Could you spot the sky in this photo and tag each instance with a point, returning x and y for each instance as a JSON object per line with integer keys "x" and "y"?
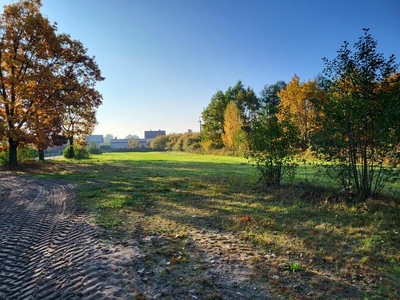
{"x": 163, "y": 60}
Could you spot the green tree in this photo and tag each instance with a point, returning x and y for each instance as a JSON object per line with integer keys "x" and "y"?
{"x": 359, "y": 124}
{"x": 213, "y": 116}
{"x": 213, "y": 122}
{"x": 269, "y": 95}
{"x": 189, "y": 142}
{"x": 245, "y": 99}
{"x": 173, "y": 142}
{"x": 273, "y": 143}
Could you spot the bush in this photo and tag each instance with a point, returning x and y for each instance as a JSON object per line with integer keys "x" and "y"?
{"x": 66, "y": 153}
{"x": 3, "y": 158}
{"x": 172, "y": 140}
{"x": 159, "y": 143}
{"x": 25, "y": 153}
{"x": 82, "y": 153}
{"x": 191, "y": 143}
{"x": 93, "y": 148}
{"x": 78, "y": 153}
{"x": 273, "y": 145}
{"x": 105, "y": 148}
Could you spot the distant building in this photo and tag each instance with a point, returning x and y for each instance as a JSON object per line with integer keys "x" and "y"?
{"x": 124, "y": 143}
{"x": 95, "y": 138}
{"x": 143, "y": 143}
{"x": 119, "y": 143}
{"x": 152, "y": 134}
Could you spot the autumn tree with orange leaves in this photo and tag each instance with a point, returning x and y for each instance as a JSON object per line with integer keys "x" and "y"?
{"x": 43, "y": 77}
{"x": 298, "y": 100}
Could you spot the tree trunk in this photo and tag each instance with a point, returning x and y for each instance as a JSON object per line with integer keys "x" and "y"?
{"x": 12, "y": 161}
{"x": 71, "y": 152}
{"x": 41, "y": 154}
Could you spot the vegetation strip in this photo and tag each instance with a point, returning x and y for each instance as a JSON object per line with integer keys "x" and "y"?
{"x": 194, "y": 212}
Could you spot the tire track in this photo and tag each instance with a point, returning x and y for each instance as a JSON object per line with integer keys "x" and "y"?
{"x": 48, "y": 248}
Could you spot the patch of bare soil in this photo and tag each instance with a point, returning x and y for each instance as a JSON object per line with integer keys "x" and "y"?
{"x": 49, "y": 249}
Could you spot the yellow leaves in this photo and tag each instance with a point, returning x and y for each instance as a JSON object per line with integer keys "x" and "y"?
{"x": 45, "y": 92}
{"x": 232, "y": 127}
{"x": 297, "y": 99}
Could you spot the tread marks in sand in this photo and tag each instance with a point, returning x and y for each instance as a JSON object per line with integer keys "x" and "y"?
{"x": 48, "y": 249}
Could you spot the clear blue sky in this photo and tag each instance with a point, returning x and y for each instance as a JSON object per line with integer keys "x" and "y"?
{"x": 164, "y": 59}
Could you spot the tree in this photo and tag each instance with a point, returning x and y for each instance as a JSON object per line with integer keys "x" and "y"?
{"x": 299, "y": 99}
{"x": 359, "y": 125}
{"x": 213, "y": 116}
{"x": 77, "y": 124}
{"x": 107, "y": 139}
{"x": 273, "y": 143}
{"x": 133, "y": 143}
{"x": 245, "y": 99}
{"x": 233, "y": 137}
{"x": 26, "y": 42}
{"x": 130, "y": 136}
{"x": 213, "y": 122}
{"x": 47, "y": 135}
{"x": 43, "y": 76}
{"x": 77, "y": 98}
{"x": 269, "y": 95}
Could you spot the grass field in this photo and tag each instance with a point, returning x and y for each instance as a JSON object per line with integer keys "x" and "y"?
{"x": 314, "y": 244}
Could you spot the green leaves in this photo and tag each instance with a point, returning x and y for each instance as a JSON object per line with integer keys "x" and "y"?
{"x": 273, "y": 144}
{"x": 360, "y": 122}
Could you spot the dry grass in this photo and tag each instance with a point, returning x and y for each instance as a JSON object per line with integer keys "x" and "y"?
{"x": 305, "y": 242}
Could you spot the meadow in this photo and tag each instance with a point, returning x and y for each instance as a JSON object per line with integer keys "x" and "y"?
{"x": 309, "y": 240}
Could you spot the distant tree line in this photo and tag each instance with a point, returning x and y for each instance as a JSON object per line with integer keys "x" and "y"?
{"x": 188, "y": 142}
{"x": 348, "y": 117}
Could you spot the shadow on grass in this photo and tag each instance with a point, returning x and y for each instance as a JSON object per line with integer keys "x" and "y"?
{"x": 347, "y": 250}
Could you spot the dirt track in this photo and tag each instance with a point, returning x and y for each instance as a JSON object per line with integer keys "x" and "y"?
{"x": 49, "y": 249}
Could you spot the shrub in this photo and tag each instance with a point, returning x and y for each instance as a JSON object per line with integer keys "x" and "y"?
{"x": 25, "y": 153}
{"x": 3, "y": 158}
{"x": 82, "y": 153}
{"x": 66, "y": 153}
{"x": 191, "y": 142}
{"x": 273, "y": 145}
{"x": 105, "y": 148}
{"x": 172, "y": 140}
{"x": 93, "y": 148}
{"x": 159, "y": 143}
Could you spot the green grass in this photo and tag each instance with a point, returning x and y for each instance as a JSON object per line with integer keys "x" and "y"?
{"x": 346, "y": 249}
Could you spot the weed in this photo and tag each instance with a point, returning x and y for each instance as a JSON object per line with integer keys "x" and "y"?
{"x": 351, "y": 248}
{"x": 294, "y": 267}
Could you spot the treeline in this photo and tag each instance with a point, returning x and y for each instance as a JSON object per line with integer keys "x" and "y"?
{"x": 349, "y": 117}
{"x": 188, "y": 142}
{"x": 47, "y": 83}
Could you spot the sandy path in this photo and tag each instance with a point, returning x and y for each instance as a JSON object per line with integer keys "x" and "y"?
{"x": 49, "y": 249}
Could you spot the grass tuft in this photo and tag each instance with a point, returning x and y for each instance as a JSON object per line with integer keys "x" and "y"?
{"x": 344, "y": 249}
